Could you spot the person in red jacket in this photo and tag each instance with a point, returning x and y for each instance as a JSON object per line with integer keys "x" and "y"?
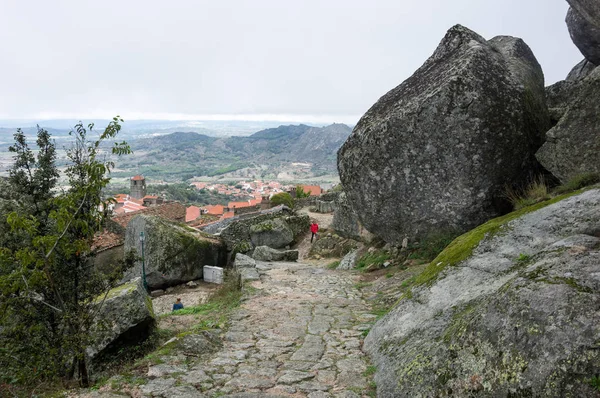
{"x": 314, "y": 228}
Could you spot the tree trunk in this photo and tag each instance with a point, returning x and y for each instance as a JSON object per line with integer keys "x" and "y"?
{"x": 83, "y": 372}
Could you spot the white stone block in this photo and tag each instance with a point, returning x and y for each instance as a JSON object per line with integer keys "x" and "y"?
{"x": 213, "y": 274}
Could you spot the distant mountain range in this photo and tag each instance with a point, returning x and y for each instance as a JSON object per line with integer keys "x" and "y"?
{"x": 186, "y": 154}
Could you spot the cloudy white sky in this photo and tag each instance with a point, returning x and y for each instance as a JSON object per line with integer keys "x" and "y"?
{"x": 328, "y": 60}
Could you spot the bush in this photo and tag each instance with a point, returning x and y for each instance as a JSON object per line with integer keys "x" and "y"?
{"x": 283, "y": 198}
{"x": 300, "y": 192}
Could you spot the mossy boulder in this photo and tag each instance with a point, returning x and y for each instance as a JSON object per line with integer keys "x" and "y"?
{"x": 332, "y": 245}
{"x": 173, "y": 253}
{"x": 509, "y": 309}
{"x": 273, "y": 233}
{"x": 126, "y": 316}
{"x": 239, "y": 235}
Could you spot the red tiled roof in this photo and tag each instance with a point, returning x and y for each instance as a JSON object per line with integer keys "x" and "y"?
{"x": 314, "y": 190}
{"x": 192, "y": 213}
{"x": 229, "y": 214}
{"x": 216, "y": 210}
{"x": 150, "y": 197}
{"x": 171, "y": 211}
{"x": 137, "y": 178}
{"x": 238, "y": 205}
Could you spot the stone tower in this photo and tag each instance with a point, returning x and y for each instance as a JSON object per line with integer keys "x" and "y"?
{"x": 137, "y": 187}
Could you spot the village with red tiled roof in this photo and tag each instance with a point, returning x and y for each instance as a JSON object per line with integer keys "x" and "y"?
{"x": 252, "y": 196}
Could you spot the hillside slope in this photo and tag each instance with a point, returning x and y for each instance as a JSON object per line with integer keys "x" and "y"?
{"x": 181, "y": 153}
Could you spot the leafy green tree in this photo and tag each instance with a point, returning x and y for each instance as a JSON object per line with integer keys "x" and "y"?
{"x": 50, "y": 291}
{"x": 283, "y": 198}
{"x": 300, "y": 192}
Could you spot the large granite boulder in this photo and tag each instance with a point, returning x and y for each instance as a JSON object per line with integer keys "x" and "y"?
{"x": 572, "y": 147}
{"x": 173, "y": 253}
{"x": 266, "y": 253}
{"x": 345, "y": 221}
{"x": 583, "y": 21}
{"x": 125, "y": 316}
{"x": 238, "y": 235}
{"x": 274, "y": 233}
{"x": 434, "y": 154}
{"x": 581, "y": 71}
{"x": 510, "y": 309}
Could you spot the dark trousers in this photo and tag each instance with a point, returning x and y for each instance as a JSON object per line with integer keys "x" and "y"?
{"x": 314, "y": 234}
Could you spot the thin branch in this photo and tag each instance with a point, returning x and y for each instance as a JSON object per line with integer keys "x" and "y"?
{"x": 67, "y": 227}
{"x": 38, "y": 299}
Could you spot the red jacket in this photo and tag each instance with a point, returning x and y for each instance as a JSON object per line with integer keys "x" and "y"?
{"x": 314, "y": 228}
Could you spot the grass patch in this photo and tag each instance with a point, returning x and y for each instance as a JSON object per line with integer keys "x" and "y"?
{"x": 595, "y": 382}
{"x": 430, "y": 248}
{"x": 333, "y": 265}
{"x": 536, "y": 191}
{"x": 362, "y": 285}
{"x": 377, "y": 258}
{"x": 523, "y": 259}
{"x": 578, "y": 182}
{"x": 371, "y": 369}
{"x": 462, "y": 247}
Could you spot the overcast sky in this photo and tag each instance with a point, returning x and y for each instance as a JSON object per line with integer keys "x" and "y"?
{"x": 327, "y": 60}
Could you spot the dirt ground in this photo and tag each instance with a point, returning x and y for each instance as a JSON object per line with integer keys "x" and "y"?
{"x": 189, "y": 296}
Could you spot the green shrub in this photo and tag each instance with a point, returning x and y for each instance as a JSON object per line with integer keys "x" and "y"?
{"x": 300, "y": 192}
{"x": 283, "y": 198}
{"x": 333, "y": 265}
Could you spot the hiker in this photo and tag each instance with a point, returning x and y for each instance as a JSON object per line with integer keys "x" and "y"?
{"x": 178, "y": 305}
{"x": 314, "y": 228}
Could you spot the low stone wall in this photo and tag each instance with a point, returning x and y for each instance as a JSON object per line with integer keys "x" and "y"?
{"x": 305, "y": 202}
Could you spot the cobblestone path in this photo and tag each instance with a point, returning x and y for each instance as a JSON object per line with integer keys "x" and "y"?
{"x": 299, "y": 335}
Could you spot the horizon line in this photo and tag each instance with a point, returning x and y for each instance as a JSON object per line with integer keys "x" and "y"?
{"x": 176, "y": 117}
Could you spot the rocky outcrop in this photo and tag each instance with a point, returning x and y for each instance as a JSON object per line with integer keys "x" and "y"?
{"x": 349, "y": 261}
{"x": 581, "y": 70}
{"x": 332, "y": 245}
{"x": 583, "y": 21}
{"x": 572, "y": 147}
{"x": 559, "y": 96}
{"x": 243, "y": 261}
{"x": 508, "y": 309}
{"x": 345, "y": 221}
{"x": 125, "y": 316}
{"x": 273, "y": 233}
{"x": 173, "y": 253}
{"x": 265, "y": 253}
{"x": 246, "y": 266}
{"x": 324, "y": 206}
{"x": 435, "y": 153}
{"x": 238, "y": 236}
